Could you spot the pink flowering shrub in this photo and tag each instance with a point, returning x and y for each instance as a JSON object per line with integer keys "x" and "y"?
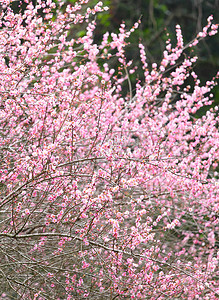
{"x": 103, "y": 196}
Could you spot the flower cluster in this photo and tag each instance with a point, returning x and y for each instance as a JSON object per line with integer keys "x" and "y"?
{"x": 103, "y": 196}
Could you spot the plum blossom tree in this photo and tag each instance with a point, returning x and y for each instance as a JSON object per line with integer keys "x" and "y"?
{"x": 103, "y": 196}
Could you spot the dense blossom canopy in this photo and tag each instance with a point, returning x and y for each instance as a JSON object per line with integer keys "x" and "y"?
{"x": 103, "y": 196}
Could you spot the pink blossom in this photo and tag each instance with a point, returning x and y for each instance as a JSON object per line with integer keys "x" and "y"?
{"x": 104, "y": 192}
